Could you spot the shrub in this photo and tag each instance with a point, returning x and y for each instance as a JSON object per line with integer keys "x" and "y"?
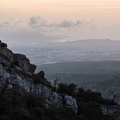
{"x": 33, "y": 100}
{"x": 62, "y": 88}
{"x": 39, "y": 113}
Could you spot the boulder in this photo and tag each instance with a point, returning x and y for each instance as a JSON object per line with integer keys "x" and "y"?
{"x": 18, "y": 59}
{"x": 32, "y": 68}
{"x": 3, "y": 45}
{"x": 24, "y": 63}
{"x": 71, "y": 102}
{"x": 7, "y": 54}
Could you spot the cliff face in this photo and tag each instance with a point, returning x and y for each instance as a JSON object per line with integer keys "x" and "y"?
{"x": 22, "y": 62}
{"x": 11, "y": 66}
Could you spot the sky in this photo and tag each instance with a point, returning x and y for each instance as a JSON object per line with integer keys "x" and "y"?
{"x": 72, "y": 19}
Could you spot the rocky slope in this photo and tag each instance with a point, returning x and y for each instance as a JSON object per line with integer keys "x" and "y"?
{"x": 15, "y": 70}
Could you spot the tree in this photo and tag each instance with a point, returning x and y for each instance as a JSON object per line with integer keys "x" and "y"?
{"x": 113, "y": 94}
{"x": 62, "y": 88}
{"x": 56, "y": 82}
{"x": 71, "y": 89}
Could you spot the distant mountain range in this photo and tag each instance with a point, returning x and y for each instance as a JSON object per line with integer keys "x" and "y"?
{"x": 24, "y": 38}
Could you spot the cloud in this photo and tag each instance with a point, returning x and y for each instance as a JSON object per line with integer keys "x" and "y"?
{"x": 119, "y": 25}
{"x": 37, "y": 21}
{"x": 116, "y": 25}
{"x": 5, "y": 24}
{"x": 35, "y": 24}
{"x": 66, "y": 24}
{"x": 34, "y": 20}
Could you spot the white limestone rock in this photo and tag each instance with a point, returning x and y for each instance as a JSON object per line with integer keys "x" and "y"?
{"x": 71, "y": 102}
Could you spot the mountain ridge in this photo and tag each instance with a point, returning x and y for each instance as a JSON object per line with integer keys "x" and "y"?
{"x": 16, "y": 71}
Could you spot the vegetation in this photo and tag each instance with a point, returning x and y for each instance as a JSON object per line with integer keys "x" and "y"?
{"x": 93, "y": 75}
{"x": 17, "y": 105}
{"x": 39, "y": 78}
{"x": 29, "y": 107}
{"x": 89, "y": 103}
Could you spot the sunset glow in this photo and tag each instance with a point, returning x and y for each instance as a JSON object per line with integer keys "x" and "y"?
{"x": 104, "y": 14}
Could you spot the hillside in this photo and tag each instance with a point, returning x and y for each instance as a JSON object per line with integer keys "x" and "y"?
{"x": 25, "y": 95}
{"x": 96, "y": 75}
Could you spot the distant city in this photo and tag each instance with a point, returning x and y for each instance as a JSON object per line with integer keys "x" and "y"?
{"x": 82, "y": 50}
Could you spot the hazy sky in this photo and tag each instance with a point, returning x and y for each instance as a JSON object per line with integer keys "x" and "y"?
{"x": 78, "y": 19}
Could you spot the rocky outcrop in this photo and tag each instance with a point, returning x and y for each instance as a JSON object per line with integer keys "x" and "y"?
{"x": 3, "y": 45}
{"x": 71, "y": 102}
{"x": 23, "y": 63}
{"x": 51, "y": 98}
{"x": 11, "y": 76}
{"x": 7, "y": 54}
